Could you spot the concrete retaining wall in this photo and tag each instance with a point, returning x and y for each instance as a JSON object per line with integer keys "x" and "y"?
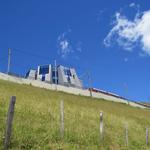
{"x": 71, "y": 90}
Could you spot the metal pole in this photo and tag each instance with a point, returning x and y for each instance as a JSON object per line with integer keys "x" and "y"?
{"x": 9, "y": 59}
{"x": 90, "y": 83}
{"x": 55, "y": 75}
{"x": 126, "y": 91}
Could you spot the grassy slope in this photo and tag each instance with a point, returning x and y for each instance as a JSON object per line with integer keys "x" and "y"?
{"x": 36, "y": 121}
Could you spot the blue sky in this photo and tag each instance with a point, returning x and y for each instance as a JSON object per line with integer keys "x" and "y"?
{"x": 110, "y": 39}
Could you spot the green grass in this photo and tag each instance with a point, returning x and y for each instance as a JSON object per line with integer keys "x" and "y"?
{"x": 36, "y": 123}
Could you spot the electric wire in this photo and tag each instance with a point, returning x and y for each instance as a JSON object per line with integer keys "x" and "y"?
{"x": 30, "y": 54}
{"x": 33, "y": 56}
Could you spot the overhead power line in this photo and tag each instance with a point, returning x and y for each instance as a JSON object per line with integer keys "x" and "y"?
{"x": 30, "y": 54}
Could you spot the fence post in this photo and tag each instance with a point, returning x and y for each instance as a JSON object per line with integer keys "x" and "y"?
{"x": 147, "y": 134}
{"x": 126, "y": 134}
{"x": 61, "y": 119}
{"x": 101, "y": 126}
{"x": 9, "y": 122}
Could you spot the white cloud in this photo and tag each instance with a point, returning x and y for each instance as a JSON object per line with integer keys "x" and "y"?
{"x": 132, "y": 5}
{"x": 66, "y": 47}
{"x": 128, "y": 33}
{"x": 64, "y": 44}
{"x": 135, "y": 6}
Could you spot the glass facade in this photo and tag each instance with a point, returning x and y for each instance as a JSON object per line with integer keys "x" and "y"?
{"x": 27, "y": 74}
{"x": 67, "y": 72}
{"x": 55, "y": 75}
{"x": 43, "y": 78}
{"x": 44, "y": 69}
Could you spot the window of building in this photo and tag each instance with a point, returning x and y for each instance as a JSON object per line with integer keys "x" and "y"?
{"x": 27, "y": 74}
{"x": 44, "y": 69}
{"x": 68, "y": 79}
{"x": 43, "y": 78}
{"x": 73, "y": 76}
{"x": 54, "y": 75}
{"x": 55, "y": 81}
{"x": 67, "y": 72}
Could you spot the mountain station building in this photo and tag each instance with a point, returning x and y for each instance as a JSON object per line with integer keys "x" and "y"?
{"x": 55, "y": 75}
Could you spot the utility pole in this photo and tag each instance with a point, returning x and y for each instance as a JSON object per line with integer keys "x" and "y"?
{"x": 90, "y": 83}
{"x": 9, "y": 59}
{"x": 126, "y": 91}
{"x": 55, "y": 74}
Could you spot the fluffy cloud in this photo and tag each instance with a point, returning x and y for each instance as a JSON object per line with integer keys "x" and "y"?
{"x": 65, "y": 46}
{"x": 128, "y": 33}
{"x": 132, "y": 5}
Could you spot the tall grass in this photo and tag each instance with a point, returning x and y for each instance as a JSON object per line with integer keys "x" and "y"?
{"x": 37, "y": 121}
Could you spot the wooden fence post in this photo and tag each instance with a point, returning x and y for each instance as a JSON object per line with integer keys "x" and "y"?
{"x": 147, "y": 135}
{"x": 9, "y": 122}
{"x": 62, "y": 119}
{"x": 101, "y": 126}
{"x": 126, "y": 134}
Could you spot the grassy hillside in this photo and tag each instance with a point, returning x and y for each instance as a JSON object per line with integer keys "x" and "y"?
{"x": 36, "y": 123}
